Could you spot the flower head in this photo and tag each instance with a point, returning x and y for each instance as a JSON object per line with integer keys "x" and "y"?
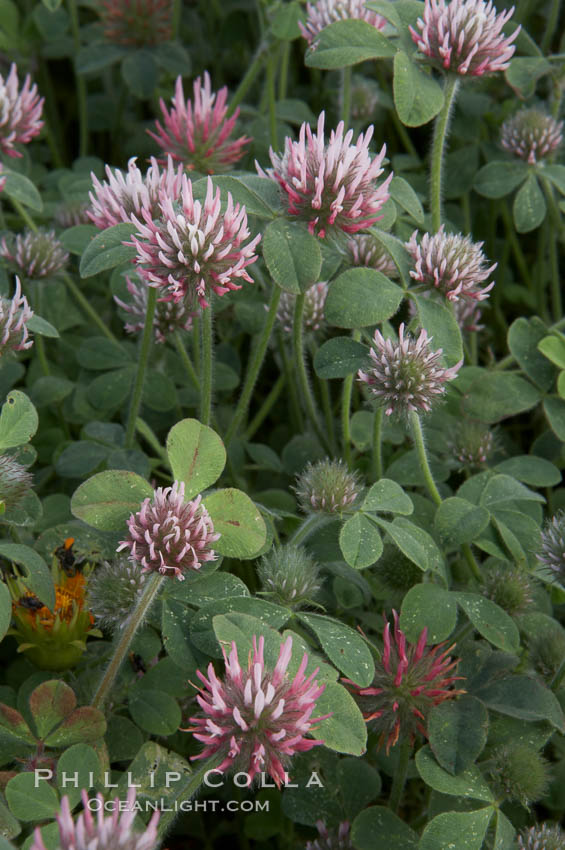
{"x": 331, "y": 839}
{"x": 450, "y": 263}
{"x": 196, "y": 248}
{"x": 333, "y": 185}
{"x": 105, "y": 833}
{"x": 552, "y": 551}
{"x": 410, "y": 680}
{"x": 15, "y": 481}
{"x": 327, "y": 486}
{"x": 544, "y": 837}
{"x": 113, "y": 591}
{"x": 123, "y": 196}
{"x": 198, "y": 133}
{"x": 170, "y": 536}
{"x": 169, "y": 315}
{"x": 509, "y": 586}
{"x": 15, "y": 313}
{"x": 137, "y": 22}
{"x": 471, "y": 444}
{"x": 35, "y": 254}
{"x": 406, "y": 375}
{"x": 289, "y": 576}
{"x": 465, "y": 36}
{"x": 519, "y": 772}
{"x": 531, "y": 134}
{"x": 313, "y": 316}
{"x": 325, "y": 12}
{"x": 70, "y": 213}
{"x": 364, "y": 250}
{"x": 256, "y": 719}
{"x": 20, "y": 112}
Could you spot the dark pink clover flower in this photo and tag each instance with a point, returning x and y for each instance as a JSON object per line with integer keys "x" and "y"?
{"x": 123, "y": 196}
{"x": 169, "y": 315}
{"x": 195, "y": 248}
{"x": 331, "y": 839}
{"x": 170, "y": 536}
{"x": 35, "y": 253}
{"x": 451, "y": 264}
{"x": 20, "y": 112}
{"x": 101, "y": 833}
{"x": 410, "y": 680}
{"x": 326, "y": 12}
{"x": 465, "y": 36}
{"x": 333, "y": 185}
{"x": 256, "y": 719}
{"x": 15, "y": 313}
{"x": 198, "y": 133}
{"x": 531, "y": 135}
{"x": 406, "y": 376}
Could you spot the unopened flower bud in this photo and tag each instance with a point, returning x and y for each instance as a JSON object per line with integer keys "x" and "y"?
{"x": 15, "y": 481}
{"x": 519, "y": 772}
{"x": 327, "y": 486}
{"x": 113, "y": 591}
{"x": 289, "y": 576}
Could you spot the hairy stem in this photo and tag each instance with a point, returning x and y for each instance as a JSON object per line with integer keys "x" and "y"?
{"x": 186, "y": 361}
{"x": 400, "y": 774}
{"x": 145, "y": 347}
{"x": 265, "y": 408}
{"x": 441, "y": 127}
{"x": 378, "y": 443}
{"x": 86, "y": 307}
{"x": 207, "y": 366}
{"x": 345, "y": 410}
{"x": 300, "y": 366}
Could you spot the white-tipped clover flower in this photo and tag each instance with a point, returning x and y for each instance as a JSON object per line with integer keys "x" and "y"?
{"x": 531, "y": 135}
{"x": 123, "y": 196}
{"x": 194, "y": 247}
{"x": 465, "y": 36}
{"x": 35, "y": 253}
{"x": 313, "y": 316}
{"x": 451, "y": 264}
{"x": 169, "y": 316}
{"x": 20, "y": 112}
{"x": 330, "y": 185}
{"x": 406, "y": 376}
{"x": 15, "y": 313}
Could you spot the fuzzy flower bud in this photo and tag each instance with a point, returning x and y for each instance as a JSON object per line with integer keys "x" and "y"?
{"x": 465, "y": 36}
{"x": 195, "y": 249}
{"x": 71, "y": 213}
{"x": 331, "y": 839}
{"x": 365, "y": 95}
{"x": 547, "y": 651}
{"x": 105, "y": 833}
{"x": 544, "y": 837}
{"x": 313, "y": 316}
{"x": 531, "y": 134}
{"x": 470, "y": 444}
{"x": 409, "y": 681}
{"x": 170, "y": 536}
{"x": 137, "y": 22}
{"x": 406, "y": 375}
{"x": 552, "y": 551}
{"x": 20, "y": 112}
{"x": 333, "y": 185}
{"x": 35, "y": 254}
{"x": 15, "y": 481}
{"x": 256, "y": 719}
{"x": 124, "y": 196}
{"x": 364, "y": 250}
{"x": 450, "y": 263}
{"x": 289, "y": 576}
{"x": 15, "y": 313}
{"x": 113, "y": 592}
{"x": 519, "y": 772}
{"x": 325, "y": 12}
{"x": 327, "y": 486}
{"x": 197, "y": 133}
{"x": 510, "y": 587}
{"x": 169, "y": 315}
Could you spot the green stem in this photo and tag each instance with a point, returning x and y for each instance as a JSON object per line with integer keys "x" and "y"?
{"x": 80, "y": 82}
{"x": 308, "y": 527}
{"x": 441, "y": 127}
{"x": 86, "y": 307}
{"x": 555, "y": 227}
{"x": 300, "y": 366}
{"x": 207, "y": 373}
{"x": 345, "y": 410}
{"x": 283, "y": 73}
{"x": 185, "y": 791}
{"x": 552, "y": 20}
{"x": 176, "y": 18}
{"x": 400, "y": 774}
{"x": 295, "y": 409}
{"x": 327, "y": 408}
{"x": 254, "y": 366}
{"x": 265, "y": 408}
{"x": 133, "y": 622}
{"x": 150, "y": 437}
{"x": 346, "y": 96}
{"x": 378, "y": 443}
{"x": 418, "y": 435}
{"x": 272, "y": 97}
{"x": 186, "y": 361}
{"x": 247, "y": 81}
{"x": 23, "y": 213}
{"x": 515, "y": 245}
{"x": 146, "y": 340}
